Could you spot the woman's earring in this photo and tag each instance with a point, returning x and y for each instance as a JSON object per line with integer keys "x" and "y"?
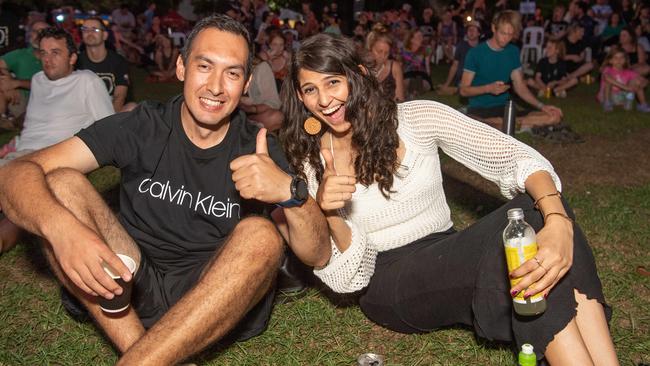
{"x": 312, "y": 126}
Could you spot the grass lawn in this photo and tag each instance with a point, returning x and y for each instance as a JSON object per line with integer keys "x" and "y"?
{"x": 604, "y": 180}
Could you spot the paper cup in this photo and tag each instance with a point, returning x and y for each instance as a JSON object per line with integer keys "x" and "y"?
{"x": 119, "y": 302}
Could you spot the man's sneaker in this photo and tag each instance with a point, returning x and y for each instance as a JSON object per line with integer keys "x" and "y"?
{"x": 291, "y": 275}
{"x": 645, "y": 108}
{"x": 608, "y": 106}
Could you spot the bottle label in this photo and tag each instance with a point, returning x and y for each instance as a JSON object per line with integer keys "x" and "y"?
{"x": 518, "y": 252}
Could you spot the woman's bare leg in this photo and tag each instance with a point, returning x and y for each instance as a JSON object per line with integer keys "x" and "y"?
{"x": 592, "y": 324}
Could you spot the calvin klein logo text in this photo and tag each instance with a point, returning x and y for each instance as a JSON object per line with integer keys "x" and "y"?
{"x": 199, "y": 202}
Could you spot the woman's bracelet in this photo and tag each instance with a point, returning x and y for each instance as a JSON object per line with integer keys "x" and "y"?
{"x": 559, "y": 214}
{"x": 536, "y": 204}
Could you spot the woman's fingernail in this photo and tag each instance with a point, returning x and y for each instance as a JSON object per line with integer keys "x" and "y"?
{"x": 513, "y": 293}
{"x": 545, "y": 296}
{"x": 511, "y": 275}
{"x": 526, "y": 295}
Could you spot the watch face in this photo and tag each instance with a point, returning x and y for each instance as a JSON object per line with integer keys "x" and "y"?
{"x": 301, "y": 192}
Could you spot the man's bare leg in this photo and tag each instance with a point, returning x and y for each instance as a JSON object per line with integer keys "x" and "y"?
{"x": 496, "y": 122}
{"x": 534, "y": 119}
{"x": 9, "y": 234}
{"x": 232, "y": 284}
{"x": 582, "y": 70}
{"x": 75, "y": 192}
{"x": 569, "y": 83}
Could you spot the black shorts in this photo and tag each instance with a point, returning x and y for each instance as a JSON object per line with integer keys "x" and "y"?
{"x": 156, "y": 291}
{"x": 493, "y": 112}
{"x": 573, "y": 66}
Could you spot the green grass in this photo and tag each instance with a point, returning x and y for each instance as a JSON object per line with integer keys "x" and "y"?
{"x": 314, "y": 329}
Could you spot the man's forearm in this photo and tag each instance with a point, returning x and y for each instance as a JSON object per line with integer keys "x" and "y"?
{"x": 118, "y": 103}
{"x": 308, "y": 233}
{"x": 472, "y": 91}
{"x": 525, "y": 94}
{"x": 452, "y": 72}
{"x": 119, "y": 97}
{"x": 23, "y": 84}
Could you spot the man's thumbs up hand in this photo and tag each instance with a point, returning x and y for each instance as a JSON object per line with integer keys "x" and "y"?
{"x": 261, "y": 147}
{"x": 256, "y": 176}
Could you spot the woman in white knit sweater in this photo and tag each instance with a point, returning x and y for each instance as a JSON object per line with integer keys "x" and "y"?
{"x": 374, "y": 169}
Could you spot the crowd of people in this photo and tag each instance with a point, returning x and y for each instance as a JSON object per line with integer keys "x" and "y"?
{"x": 579, "y": 42}
{"x": 350, "y": 182}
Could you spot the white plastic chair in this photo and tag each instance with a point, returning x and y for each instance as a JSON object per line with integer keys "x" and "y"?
{"x": 178, "y": 38}
{"x": 532, "y": 42}
{"x": 588, "y": 54}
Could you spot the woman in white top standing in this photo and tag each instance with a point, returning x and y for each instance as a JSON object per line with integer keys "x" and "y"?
{"x": 374, "y": 169}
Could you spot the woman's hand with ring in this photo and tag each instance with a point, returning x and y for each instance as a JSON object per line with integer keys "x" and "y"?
{"x": 552, "y": 261}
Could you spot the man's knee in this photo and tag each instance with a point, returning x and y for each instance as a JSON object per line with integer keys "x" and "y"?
{"x": 63, "y": 176}
{"x": 64, "y": 180}
{"x": 262, "y": 234}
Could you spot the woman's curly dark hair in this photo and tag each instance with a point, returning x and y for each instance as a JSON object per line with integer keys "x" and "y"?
{"x": 373, "y": 117}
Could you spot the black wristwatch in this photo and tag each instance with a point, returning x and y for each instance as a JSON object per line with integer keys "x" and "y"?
{"x": 299, "y": 193}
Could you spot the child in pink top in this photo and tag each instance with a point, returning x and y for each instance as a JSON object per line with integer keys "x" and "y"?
{"x": 619, "y": 83}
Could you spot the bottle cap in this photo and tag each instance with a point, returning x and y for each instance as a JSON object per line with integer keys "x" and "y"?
{"x": 515, "y": 214}
{"x": 527, "y": 348}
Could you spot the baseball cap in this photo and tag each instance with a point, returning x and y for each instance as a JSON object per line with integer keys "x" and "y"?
{"x": 473, "y": 23}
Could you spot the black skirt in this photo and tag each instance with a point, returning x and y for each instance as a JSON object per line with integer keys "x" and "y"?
{"x": 453, "y": 278}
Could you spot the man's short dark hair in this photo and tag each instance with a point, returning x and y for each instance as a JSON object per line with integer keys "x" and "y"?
{"x": 223, "y": 23}
{"x": 98, "y": 20}
{"x": 58, "y": 33}
{"x": 583, "y": 6}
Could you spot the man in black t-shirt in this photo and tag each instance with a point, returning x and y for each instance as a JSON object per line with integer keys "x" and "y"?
{"x": 550, "y": 73}
{"x": 575, "y": 56}
{"x": 107, "y": 64}
{"x": 197, "y": 185}
{"x": 10, "y": 32}
{"x": 556, "y": 27}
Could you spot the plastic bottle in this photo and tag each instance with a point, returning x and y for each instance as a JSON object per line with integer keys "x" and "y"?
{"x": 520, "y": 245}
{"x": 509, "y": 118}
{"x": 526, "y": 356}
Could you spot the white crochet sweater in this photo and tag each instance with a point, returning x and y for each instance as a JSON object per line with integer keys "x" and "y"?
{"x": 418, "y": 206}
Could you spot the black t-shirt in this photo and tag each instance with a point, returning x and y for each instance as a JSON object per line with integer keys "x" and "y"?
{"x": 459, "y": 55}
{"x": 177, "y": 201}
{"x": 10, "y": 32}
{"x": 589, "y": 24}
{"x": 551, "y": 72}
{"x": 428, "y": 28}
{"x": 554, "y": 28}
{"x": 113, "y": 70}
{"x": 573, "y": 49}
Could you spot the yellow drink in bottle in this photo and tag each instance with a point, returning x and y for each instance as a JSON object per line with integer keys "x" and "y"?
{"x": 520, "y": 245}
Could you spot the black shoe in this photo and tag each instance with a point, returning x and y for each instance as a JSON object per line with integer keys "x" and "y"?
{"x": 291, "y": 275}
{"x": 73, "y": 306}
{"x": 560, "y": 133}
